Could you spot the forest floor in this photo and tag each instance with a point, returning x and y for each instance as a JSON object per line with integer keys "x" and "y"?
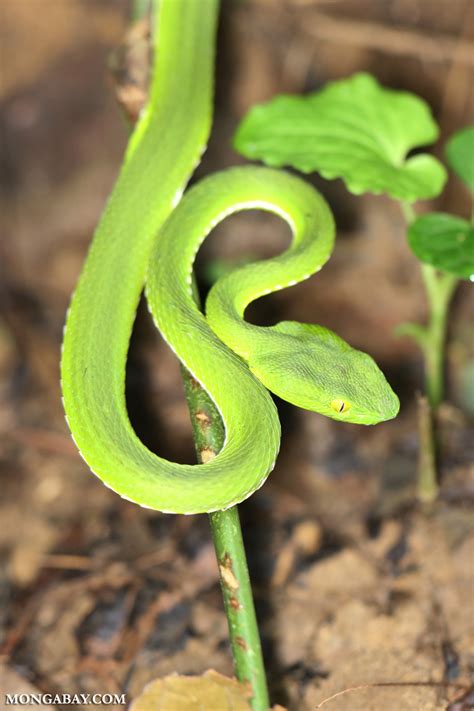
{"x": 355, "y": 583}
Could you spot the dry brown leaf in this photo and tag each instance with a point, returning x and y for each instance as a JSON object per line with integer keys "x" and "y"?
{"x": 209, "y": 692}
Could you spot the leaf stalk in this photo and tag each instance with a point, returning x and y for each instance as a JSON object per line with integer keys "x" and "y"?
{"x": 209, "y": 435}
{"x": 431, "y": 339}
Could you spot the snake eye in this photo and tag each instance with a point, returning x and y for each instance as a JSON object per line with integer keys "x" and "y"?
{"x": 340, "y": 406}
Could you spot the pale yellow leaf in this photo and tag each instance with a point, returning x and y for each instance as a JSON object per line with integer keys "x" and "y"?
{"x": 209, "y": 692}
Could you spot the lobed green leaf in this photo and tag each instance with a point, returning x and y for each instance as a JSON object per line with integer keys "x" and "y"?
{"x": 444, "y": 241}
{"x": 460, "y": 155}
{"x": 352, "y": 129}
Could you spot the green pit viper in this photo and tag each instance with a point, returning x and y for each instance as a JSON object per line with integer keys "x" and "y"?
{"x": 149, "y": 236}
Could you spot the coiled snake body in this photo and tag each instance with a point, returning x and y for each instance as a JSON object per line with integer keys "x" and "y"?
{"x": 148, "y": 235}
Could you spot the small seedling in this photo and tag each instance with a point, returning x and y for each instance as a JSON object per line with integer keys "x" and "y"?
{"x": 357, "y": 130}
{"x": 444, "y": 244}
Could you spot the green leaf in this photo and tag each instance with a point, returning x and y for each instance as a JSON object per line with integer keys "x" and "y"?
{"x": 353, "y": 129}
{"x": 444, "y": 241}
{"x": 460, "y": 155}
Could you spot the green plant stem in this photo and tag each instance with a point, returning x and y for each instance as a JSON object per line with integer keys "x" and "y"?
{"x": 209, "y": 435}
{"x": 439, "y": 289}
{"x": 427, "y": 475}
{"x": 238, "y": 603}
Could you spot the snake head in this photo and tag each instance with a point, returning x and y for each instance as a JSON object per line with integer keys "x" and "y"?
{"x": 313, "y": 368}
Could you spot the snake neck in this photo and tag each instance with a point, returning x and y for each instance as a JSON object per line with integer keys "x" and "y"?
{"x": 169, "y": 281}
{"x": 312, "y": 229}
{"x": 232, "y": 294}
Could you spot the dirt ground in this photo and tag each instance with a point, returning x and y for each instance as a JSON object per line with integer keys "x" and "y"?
{"x": 355, "y": 585}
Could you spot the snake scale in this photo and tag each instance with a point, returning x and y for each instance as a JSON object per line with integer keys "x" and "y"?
{"x": 148, "y": 237}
